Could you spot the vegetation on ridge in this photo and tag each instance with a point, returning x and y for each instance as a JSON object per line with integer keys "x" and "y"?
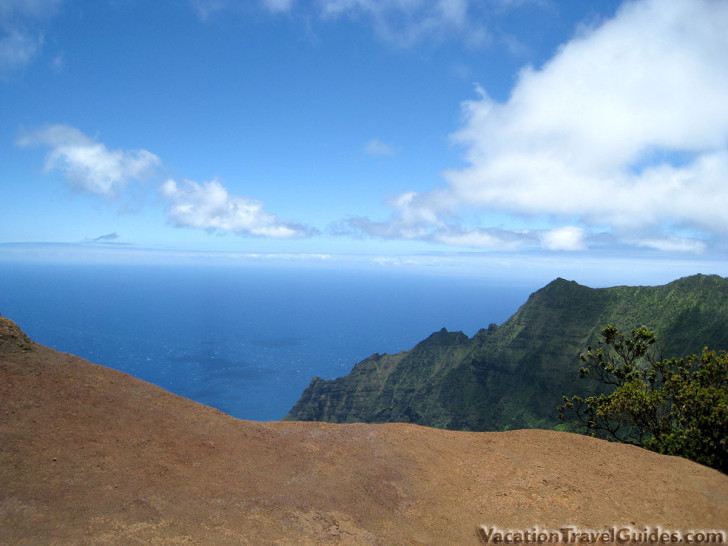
{"x": 677, "y": 406}
{"x": 514, "y": 375}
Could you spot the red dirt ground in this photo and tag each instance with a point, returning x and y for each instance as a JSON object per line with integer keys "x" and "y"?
{"x": 89, "y": 455}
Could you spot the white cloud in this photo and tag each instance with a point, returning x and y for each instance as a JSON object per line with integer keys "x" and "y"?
{"x": 567, "y": 238}
{"x": 209, "y": 206}
{"x": 21, "y": 31}
{"x": 496, "y": 239}
{"x": 89, "y": 165}
{"x": 415, "y": 218}
{"x": 92, "y": 168}
{"x": 624, "y": 130}
{"x": 564, "y": 238}
{"x": 672, "y": 243}
{"x": 570, "y": 139}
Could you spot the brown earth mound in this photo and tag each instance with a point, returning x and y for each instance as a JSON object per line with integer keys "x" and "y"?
{"x": 89, "y": 455}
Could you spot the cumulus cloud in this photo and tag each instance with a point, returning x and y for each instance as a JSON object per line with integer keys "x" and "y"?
{"x": 564, "y": 238}
{"x": 209, "y": 206}
{"x": 89, "y": 165}
{"x": 22, "y": 25}
{"x": 624, "y": 130}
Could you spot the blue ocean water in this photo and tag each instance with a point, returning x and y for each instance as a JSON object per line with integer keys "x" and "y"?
{"x": 244, "y": 340}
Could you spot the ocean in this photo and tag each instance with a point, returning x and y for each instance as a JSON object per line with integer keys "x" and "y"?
{"x": 246, "y": 341}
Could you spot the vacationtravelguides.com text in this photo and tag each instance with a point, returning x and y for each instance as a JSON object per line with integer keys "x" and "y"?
{"x": 612, "y": 535}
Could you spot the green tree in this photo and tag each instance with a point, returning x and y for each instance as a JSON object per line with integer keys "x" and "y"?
{"x": 676, "y": 406}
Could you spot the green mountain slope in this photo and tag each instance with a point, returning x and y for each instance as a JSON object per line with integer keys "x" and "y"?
{"x": 514, "y": 375}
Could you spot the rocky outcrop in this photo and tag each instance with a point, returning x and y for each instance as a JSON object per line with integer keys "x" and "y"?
{"x": 13, "y": 338}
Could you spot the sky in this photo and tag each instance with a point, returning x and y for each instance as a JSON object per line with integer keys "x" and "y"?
{"x": 512, "y": 134}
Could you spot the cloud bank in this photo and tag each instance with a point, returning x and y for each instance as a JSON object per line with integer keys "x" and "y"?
{"x": 623, "y": 132}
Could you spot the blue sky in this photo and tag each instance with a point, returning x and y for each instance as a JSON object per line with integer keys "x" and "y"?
{"x": 558, "y": 134}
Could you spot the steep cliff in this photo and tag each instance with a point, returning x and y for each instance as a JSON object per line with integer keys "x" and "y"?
{"x": 514, "y": 375}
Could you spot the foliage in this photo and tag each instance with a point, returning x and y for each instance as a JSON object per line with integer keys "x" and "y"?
{"x": 676, "y": 406}
{"x": 513, "y": 375}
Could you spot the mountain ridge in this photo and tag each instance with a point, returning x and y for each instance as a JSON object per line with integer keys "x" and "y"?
{"x": 514, "y": 375}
